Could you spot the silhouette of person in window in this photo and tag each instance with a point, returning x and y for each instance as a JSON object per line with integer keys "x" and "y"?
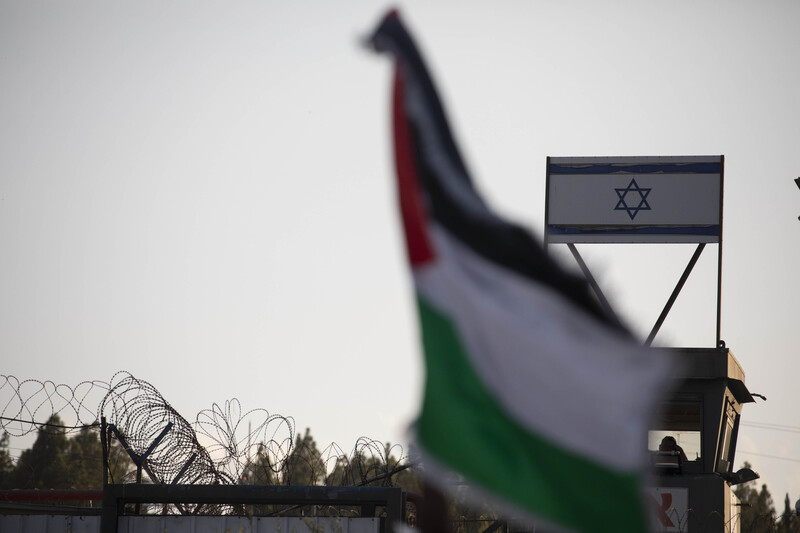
{"x": 669, "y": 444}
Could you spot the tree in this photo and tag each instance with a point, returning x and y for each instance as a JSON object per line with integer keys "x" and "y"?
{"x": 304, "y": 466}
{"x": 45, "y": 465}
{"x": 259, "y": 470}
{"x": 56, "y": 461}
{"x": 789, "y": 522}
{"x": 758, "y": 512}
{"x": 6, "y": 463}
{"x": 340, "y": 475}
{"x": 85, "y": 460}
{"x": 786, "y": 517}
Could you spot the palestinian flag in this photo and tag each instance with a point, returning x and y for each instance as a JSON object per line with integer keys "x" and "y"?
{"x": 533, "y": 395}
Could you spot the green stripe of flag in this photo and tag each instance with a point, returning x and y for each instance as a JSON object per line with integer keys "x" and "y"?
{"x": 464, "y": 429}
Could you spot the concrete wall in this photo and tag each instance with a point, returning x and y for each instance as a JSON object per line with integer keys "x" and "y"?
{"x": 188, "y": 524}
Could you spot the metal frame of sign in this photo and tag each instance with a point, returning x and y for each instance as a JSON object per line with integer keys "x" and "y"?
{"x": 658, "y": 199}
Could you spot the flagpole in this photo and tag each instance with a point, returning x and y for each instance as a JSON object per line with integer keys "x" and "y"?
{"x": 434, "y": 511}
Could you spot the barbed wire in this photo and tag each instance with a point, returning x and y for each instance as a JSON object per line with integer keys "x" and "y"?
{"x": 225, "y": 445}
{"x": 30, "y": 405}
{"x": 158, "y": 434}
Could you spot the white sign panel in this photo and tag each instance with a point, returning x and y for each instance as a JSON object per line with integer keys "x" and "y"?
{"x": 669, "y": 508}
{"x": 634, "y": 199}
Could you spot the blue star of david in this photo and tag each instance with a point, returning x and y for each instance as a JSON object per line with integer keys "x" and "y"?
{"x": 633, "y": 208}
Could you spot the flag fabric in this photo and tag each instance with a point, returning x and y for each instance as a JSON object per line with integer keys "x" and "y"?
{"x": 532, "y": 394}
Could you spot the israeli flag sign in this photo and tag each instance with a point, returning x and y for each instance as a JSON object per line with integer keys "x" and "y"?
{"x": 634, "y": 199}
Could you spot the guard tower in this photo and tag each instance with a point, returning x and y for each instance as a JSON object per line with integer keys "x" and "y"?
{"x": 665, "y": 200}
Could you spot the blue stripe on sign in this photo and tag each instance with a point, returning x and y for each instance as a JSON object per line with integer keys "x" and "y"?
{"x": 662, "y": 230}
{"x": 673, "y": 168}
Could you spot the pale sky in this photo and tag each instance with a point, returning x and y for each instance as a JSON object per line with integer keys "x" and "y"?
{"x": 201, "y": 193}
